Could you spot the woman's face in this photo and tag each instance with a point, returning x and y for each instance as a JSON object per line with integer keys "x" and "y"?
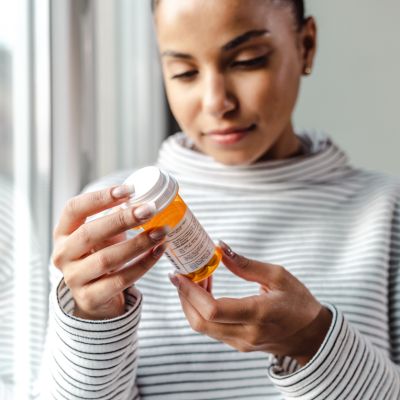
{"x": 232, "y": 70}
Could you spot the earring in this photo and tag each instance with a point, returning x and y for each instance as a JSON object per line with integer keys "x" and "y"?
{"x": 307, "y": 70}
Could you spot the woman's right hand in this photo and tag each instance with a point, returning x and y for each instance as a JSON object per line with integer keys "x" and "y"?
{"x": 91, "y": 255}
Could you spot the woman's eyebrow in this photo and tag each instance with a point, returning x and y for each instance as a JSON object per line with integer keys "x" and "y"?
{"x": 237, "y": 41}
{"x": 176, "y": 54}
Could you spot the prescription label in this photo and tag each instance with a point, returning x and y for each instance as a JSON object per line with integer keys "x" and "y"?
{"x": 189, "y": 246}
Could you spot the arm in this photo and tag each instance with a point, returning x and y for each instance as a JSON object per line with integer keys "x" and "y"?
{"x": 320, "y": 355}
{"x": 91, "y": 359}
{"x": 91, "y": 350}
{"x": 347, "y": 365}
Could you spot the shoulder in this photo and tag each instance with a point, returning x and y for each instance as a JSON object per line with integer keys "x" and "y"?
{"x": 378, "y": 183}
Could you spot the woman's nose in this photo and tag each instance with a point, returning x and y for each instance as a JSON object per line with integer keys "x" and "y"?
{"x": 217, "y": 100}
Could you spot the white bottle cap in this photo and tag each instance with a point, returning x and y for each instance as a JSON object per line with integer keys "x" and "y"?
{"x": 152, "y": 185}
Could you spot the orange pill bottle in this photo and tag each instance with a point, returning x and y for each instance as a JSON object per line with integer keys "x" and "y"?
{"x": 190, "y": 249}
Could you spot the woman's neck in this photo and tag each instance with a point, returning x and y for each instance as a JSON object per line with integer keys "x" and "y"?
{"x": 288, "y": 145}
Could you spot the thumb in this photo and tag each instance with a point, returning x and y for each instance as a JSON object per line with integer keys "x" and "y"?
{"x": 268, "y": 275}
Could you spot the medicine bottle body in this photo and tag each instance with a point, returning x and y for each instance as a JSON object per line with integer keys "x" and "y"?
{"x": 176, "y": 213}
{"x": 190, "y": 249}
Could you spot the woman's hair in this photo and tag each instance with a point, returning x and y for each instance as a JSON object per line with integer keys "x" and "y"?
{"x": 296, "y": 5}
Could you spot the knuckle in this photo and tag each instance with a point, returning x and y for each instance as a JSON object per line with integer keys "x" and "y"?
{"x": 84, "y": 235}
{"x": 121, "y": 219}
{"x": 244, "y": 262}
{"x": 119, "y": 283}
{"x": 69, "y": 278}
{"x": 100, "y": 196}
{"x": 142, "y": 244}
{"x": 145, "y": 264}
{"x": 102, "y": 260}
{"x": 58, "y": 257}
{"x": 198, "y": 325}
{"x": 85, "y": 299}
{"x": 279, "y": 274}
{"x": 71, "y": 206}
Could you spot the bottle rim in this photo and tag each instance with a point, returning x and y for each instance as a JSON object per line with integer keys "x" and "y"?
{"x": 161, "y": 192}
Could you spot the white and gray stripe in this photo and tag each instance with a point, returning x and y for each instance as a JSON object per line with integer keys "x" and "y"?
{"x": 335, "y": 227}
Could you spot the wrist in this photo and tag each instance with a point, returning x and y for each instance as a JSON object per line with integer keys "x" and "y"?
{"x": 114, "y": 309}
{"x": 313, "y": 336}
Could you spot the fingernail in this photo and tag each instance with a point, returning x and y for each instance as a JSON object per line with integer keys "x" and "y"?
{"x": 174, "y": 280}
{"x": 122, "y": 191}
{"x": 158, "y": 233}
{"x": 226, "y": 249}
{"x": 159, "y": 250}
{"x": 145, "y": 211}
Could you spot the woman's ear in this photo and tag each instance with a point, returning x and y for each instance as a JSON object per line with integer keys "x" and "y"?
{"x": 308, "y": 44}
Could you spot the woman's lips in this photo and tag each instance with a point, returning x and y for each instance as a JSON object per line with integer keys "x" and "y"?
{"x": 230, "y": 135}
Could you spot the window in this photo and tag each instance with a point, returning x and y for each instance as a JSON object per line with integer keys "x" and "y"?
{"x": 24, "y": 185}
{"x": 81, "y": 96}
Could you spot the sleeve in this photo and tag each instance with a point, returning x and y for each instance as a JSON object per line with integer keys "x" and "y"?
{"x": 90, "y": 359}
{"x": 348, "y": 366}
{"x": 85, "y": 359}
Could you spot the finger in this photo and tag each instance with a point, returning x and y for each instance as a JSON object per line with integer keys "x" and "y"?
{"x": 216, "y": 330}
{"x": 112, "y": 258}
{"x": 224, "y": 310}
{"x": 239, "y": 336}
{"x": 109, "y": 286}
{"x": 82, "y": 206}
{"x": 91, "y": 234}
{"x": 203, "y": 284}
{"x": 209, "y": 281}
{"x": 111, "y": 241}
{"x": 206, "y": 284}
{"x": 268, "y": 275}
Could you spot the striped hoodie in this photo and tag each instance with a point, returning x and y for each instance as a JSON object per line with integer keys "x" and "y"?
{"x": 335, "y": 227}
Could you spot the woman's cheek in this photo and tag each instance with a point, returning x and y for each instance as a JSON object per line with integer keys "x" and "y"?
{"x": 184, "y": 109}
{"x": 256, "y": 95}
{"x": 281, "y": 95}
{"x": 176, "y": 100}
{"x": 181, "y": 106}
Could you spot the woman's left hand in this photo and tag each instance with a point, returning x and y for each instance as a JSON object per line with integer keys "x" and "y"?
{"x": 283, "y": 319}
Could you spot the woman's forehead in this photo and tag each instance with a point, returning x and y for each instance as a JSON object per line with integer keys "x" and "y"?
{"x": 239, "y": 9}
{"x": 217, "y": 19}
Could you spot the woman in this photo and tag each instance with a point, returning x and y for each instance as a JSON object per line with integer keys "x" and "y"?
{"x": 308, "y": 304}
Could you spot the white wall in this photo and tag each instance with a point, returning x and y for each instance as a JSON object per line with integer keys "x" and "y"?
{"x": 354, "y": 91}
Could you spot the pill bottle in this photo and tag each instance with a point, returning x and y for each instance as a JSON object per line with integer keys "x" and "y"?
{"x": 189, "y": 248}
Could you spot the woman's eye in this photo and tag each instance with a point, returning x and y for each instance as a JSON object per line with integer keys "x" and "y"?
{"x": 253, "y": 62}
{"x": 184, "y": 75}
